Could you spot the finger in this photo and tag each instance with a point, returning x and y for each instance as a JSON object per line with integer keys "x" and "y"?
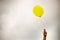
{"x": 45, "y": 32}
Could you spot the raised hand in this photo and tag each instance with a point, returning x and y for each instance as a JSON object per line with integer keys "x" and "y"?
{"x": 44, "y": 34}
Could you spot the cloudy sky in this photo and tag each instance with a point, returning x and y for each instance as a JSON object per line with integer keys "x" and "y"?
{"x": 19, "y": 23}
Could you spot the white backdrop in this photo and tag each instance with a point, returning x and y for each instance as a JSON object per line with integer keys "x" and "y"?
{"x": 19, "y": 23}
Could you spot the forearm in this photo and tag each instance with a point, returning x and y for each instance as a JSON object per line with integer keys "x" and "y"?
{"x": 44, "y": 38}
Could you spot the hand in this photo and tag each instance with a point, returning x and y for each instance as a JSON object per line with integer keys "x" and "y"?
{"x": 45, "y": 33}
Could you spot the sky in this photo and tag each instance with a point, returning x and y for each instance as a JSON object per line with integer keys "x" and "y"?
{"x": 18, "y": 21}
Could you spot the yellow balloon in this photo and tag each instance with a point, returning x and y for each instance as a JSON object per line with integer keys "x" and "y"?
{"x": 38, "y": 10}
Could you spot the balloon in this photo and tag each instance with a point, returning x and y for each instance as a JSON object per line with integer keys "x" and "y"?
{"x": 38, "y": 11}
